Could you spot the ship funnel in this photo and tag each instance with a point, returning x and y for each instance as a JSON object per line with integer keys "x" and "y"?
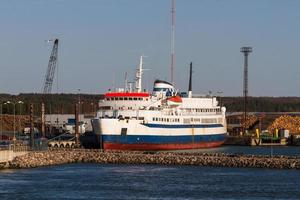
{"x": 190, "y": 80}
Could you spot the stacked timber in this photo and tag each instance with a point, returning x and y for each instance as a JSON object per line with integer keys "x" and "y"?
{"x": 20, "y": 122}
{"x": 250, "y": 120}
{"x": 291, "y": 123}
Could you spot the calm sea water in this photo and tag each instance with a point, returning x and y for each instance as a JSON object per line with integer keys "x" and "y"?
{"x": 98, "y": 181}
{"x": 95, "y": 181}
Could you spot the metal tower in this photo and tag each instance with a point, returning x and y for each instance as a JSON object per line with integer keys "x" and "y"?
{"x": 51, "y": 69}
{"x": 246, "y": 51}
{"x": 190, "y": 81}
{"x": 172, "y": 41}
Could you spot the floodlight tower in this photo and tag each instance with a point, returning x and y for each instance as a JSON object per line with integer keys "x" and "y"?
{"x": 246, "y": 51}
{"x": 172, "y": 41}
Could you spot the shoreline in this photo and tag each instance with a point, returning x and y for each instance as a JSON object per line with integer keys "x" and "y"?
{"x": 68, "y": 156}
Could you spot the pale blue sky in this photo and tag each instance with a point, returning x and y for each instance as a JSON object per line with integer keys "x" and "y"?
{"x": 102, "y": 39}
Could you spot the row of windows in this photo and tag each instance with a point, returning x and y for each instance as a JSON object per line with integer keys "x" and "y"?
{"x": 165, "y": 119}
{"x": 212, "y": 110}
{"x": 208, "y": 110}
{"x": 189, "y": 120}
{"x": 125, "y": 98}
{"x": 209, "y": 120}
{"x": 125, "y": 108}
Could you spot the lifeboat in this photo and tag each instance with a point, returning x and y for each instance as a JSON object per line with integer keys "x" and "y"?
{"x": 174, "y": 101}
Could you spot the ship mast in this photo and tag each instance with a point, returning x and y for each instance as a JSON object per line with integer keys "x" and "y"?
{"x": 190, "y": 94}
{"x": 138, "y": 76}
{"x": 172, "y": 41}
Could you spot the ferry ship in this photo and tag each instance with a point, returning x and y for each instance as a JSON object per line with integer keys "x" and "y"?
{"x": 132, "y": 119}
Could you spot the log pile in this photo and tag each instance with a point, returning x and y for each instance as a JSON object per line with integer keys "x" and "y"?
{"x": 21, "y": 121}
{"x": 291, "y": 123}
{"x": 250, "y": 120}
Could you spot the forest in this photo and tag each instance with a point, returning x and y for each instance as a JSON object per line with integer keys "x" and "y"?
{"x": 65, "y": 103}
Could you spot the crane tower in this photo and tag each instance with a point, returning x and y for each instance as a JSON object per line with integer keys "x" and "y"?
{"x": 51, "y": 69}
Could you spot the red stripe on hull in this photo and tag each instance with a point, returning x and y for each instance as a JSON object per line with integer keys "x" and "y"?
{"x": 157, "y": 147}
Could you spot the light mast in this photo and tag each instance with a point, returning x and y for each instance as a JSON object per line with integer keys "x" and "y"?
{"x": 138, "y": 76}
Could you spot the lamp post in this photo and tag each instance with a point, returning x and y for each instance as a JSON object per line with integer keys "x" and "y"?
{"x": 1, "y": 131}
{"x": 20, "y": 110}
{"x": 1, "y": 105}
{"x": 92, "y": 108}
{"x": 79, "y": 110}
{"x": 14, "y": 106}
{"x": 220, "y": 97}
{"x": 14, "y": 123}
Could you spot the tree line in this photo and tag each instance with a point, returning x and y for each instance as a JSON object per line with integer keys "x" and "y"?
{"x": 262, "y": 104}
{"x": 54, "y": 103}
{"x": 65, "y": 103}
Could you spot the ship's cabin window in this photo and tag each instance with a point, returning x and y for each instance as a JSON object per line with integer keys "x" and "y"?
{"x": 125, "y": 98}
{"x": 140, "y": 98}
{"x": 105, "y": 108}
{"x": 135, "y": 99}
{"x": 130, "y": 98}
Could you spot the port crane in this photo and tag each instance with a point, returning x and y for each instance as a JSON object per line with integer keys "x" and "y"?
{"x": 47, "y": 88}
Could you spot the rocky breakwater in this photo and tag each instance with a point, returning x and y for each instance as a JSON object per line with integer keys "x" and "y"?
{"x": 56, "y": 157}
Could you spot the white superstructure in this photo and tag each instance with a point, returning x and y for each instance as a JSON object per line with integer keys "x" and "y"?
{"x": 136, "y": 120}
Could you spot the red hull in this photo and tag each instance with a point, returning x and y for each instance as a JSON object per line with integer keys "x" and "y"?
{"x": 156, "y": 147}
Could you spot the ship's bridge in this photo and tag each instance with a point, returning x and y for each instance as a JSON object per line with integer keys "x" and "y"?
{"x": 124, "y": 100}
{"x": 163, "y": 88}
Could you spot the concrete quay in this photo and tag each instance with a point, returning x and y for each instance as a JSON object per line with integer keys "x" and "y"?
{"x": 57, "y": 157}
